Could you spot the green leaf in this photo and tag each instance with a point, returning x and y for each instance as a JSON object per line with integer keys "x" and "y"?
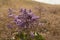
{"x": 39, "y": 37}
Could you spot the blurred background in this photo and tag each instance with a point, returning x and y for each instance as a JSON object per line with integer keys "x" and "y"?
{"x": 49, "y": 1}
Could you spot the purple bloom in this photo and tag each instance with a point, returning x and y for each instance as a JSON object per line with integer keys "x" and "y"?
{"x": 17, "y": 20}
{"x": 18, "y": 23}
{"x": 31, "y": 14}
{"x": 22, "y": 24}
{"x": 10, "y": 15}
{"x": 24, "y": 11}
{"x": 9, "y": 26}
{"x": 30, "y": 11}
{"x": 20, "y": 17}
{"x": 32, "y": 34}
{"x": 10, "y": 12}
{"x": 35, "y": 17}
{"x": 21, "y": 10}
{"x": 25, "y": 18}
{"x": 15, "y": 17}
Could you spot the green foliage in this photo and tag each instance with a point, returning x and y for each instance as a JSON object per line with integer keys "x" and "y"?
{"x": 39, "y": 37}
{"x": 27, "y": 36}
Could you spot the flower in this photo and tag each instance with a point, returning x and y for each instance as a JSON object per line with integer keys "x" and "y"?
{"x": 32, "y": 34}
{"x": 25, "y": 18}
{"x": 10, "y": 12}
{"x": 30, "y": 10}
{"x": 9, "y": 25}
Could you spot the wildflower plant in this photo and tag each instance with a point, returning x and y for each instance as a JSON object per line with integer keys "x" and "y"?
{"x": 26, "y": 20}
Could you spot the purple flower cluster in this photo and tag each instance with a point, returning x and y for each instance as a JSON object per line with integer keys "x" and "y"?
{"x": 24, "y": 18}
